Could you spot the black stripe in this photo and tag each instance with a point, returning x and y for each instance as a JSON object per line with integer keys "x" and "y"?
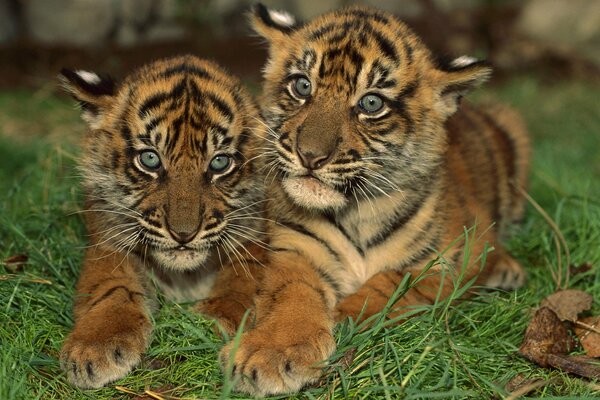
{"x": 493, "y": 171}
{"x": 304, "y": 231}
{"x": 343, "y": 231}
{"x": 152, "y": 102}
{"x": 508, "y": 140}
{"x": 185, "y": 69}
{"x": 322, "y": 31}
{"x": 385, "y": 45}
{"x": 357, "y": 61}
{"x": 328, "y": 279}
{"x": 399, "y": 222}
{"x": 221, "y": 106}
{"x": 112, "y": 290}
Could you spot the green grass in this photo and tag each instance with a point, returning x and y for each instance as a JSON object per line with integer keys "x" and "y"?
{"x": 467, "y": 350}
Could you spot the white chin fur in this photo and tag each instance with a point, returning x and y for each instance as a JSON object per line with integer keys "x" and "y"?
{"x": 312, "y": 194}
{"x": 180, "y": 260}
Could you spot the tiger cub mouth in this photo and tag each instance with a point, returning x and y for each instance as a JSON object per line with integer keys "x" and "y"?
{"x": 312, "y": 193}
{"x": 180, "y": 258}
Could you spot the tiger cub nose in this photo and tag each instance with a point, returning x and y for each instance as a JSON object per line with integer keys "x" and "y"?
{"x": 183, "y": 237}
{"x": 312, "y": 160}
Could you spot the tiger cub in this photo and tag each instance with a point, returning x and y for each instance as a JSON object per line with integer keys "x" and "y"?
{"x": 172, "y": 196}
{"x": 379, "y": 167}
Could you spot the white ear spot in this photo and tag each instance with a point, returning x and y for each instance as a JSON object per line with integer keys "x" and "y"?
{"x": 463, "y": 61}
{"x": 89, "y": 77}
{"x": 282, "y": 18}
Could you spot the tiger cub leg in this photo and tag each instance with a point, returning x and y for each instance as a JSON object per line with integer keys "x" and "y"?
{"x": 374, "y": 295}
{"x": 293, "y": 334}
{"x": 504, "y": 271}
{"x": 232, "y": 295}
{"x": 112, "y": 321}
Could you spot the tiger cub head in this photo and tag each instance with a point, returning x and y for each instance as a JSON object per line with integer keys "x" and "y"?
{"x": 169, "y": 162}
{"x": 356, "y": 104}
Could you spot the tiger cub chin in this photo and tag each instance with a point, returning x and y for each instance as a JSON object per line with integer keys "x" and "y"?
{"x": 169, "y": 170}
{"x": 379, "y": 169}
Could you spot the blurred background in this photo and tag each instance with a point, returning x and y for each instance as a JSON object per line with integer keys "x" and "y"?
{"x": 37, "y": 37}
{"x": 546, "y": 55}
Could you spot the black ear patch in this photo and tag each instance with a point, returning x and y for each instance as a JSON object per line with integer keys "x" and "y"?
{"x": 280, "y": 20}
{"x": 93, "y": 92}
{"x": 89, "y": 83}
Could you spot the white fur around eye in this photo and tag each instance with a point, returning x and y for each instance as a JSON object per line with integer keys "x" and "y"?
{"x": 88, "y": 76}
{"x": 463, "y": 61}
{"x": 282, "y": 18}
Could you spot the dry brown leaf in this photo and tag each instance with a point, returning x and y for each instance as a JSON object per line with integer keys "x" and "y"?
{"x": 568, "y": 304}
{"x": 580, "y": 269}
{"x": 15, "y": 262}
{"x": 546, "y": 334}
{"x": 588, "y": 332}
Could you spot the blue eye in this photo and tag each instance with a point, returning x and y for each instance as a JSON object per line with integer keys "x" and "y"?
{"x": 220, "y": 163}
{"x": 370, "y": 103}
{"x": 149, "y": 159}
{"x": 302, "y": 87}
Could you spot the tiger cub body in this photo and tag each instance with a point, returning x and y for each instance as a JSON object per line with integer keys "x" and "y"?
{"x": 379, "y": 170}
{"x": 168, "y": 167}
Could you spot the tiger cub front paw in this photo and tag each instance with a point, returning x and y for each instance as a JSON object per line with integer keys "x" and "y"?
{"x": 99, "y": 351}
{"x": 271, "y": 360}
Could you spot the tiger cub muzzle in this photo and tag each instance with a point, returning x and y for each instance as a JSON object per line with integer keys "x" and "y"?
{"x": 319, "y": 140}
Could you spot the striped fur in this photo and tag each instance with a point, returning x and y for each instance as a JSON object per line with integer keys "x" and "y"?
{"x": 363, "y": 198}
{"x": 177, "y": 222}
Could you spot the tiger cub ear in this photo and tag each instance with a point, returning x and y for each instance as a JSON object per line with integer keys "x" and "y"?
{"x": 273, "y": 25}
{"x": 93, "y": 92}
{"x": 456, "y": 78}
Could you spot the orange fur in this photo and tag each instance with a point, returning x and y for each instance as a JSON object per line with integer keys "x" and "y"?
{"x": 367, "y": 192}
{"x": 184, "y": 224}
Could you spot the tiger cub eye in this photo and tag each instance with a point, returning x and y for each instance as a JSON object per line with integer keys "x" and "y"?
{"x": 220, "y": 163}
{"x": 370, "y": 103}
{"x": 302, "y": 87}
{"x": 149, "y": 159}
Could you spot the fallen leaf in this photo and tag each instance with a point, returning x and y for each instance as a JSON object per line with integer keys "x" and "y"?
{"x": 546, "y": 334}
{"x": 15, "y": 262}
{"x": 588, "y": 332}
{"x": 578, "y": 365}
{"x": 580, "y": 269}
{"x": 568, "y": 304}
